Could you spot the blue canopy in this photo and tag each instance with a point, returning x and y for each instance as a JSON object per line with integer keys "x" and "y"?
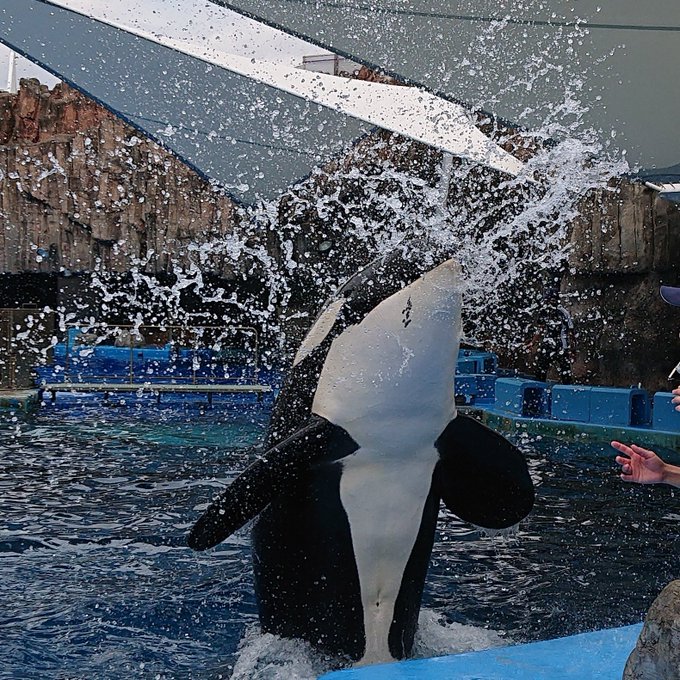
{"x": 251, "y": 138}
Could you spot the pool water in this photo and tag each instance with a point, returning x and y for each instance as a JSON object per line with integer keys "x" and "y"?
{"x": 97, "y": 582}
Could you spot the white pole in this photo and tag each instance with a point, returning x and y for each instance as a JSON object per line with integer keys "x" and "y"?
{"x": 11, "y": 72}
{"x": 445, "y": 183}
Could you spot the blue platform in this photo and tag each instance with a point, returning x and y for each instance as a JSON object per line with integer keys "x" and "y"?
{"x": 571, "y": 403}
{"x": 665, "y": 417}
{"x": 523, "y": 397}
{"x": 600, "y": 655}
{"x": 619, "y": 406}
{"x": 477, "y": 388}
{"x": 473, "y": 361}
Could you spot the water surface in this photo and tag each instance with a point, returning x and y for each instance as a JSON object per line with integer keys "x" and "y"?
{"x": 99, "y": 584}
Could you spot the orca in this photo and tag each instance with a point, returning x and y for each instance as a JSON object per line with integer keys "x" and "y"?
{"x": 363, "y": 445}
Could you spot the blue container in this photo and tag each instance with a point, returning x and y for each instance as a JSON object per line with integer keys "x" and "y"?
{"x": 489, "y": 363}
{"x": 474, "y": 362}
{"x": 666, "y": 418}
{"x": 571, "y": 402}
{"x": 474, "y": 389}
{"x": 467, "y": 366}
{"x": 529, "y": 398}
{"x": 465, "y": 389}
{"x": 486, "y": 388}
{"x": 619, "y": 406}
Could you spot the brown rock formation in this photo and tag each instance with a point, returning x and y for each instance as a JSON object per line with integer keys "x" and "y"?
{"x": 80, "y": 188}
{"x": 624, "y": 245}
{"x": 657, "y": 653}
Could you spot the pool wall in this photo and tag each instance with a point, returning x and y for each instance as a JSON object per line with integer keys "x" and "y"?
{"x": 573, "y": 412}
{"x": 505, "y": 402}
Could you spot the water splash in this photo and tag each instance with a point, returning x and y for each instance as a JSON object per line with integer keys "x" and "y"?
{"x": 262, "y": 656}
{"x": 436, "y": 637}
{"x": 282, "y": 258}
{"x": 269, "y": 657}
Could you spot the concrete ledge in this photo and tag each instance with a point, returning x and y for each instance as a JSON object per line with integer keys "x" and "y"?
{"x": 23, "y": 400}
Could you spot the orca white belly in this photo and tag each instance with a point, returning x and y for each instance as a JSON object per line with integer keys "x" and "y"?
{"x": 384, "y": 496}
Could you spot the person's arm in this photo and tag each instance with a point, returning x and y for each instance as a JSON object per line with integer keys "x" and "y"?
{"x": 645, "y": 467}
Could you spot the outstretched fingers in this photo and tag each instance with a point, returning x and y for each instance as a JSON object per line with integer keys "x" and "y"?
{"x": 632, "y": 455}
{"x": 676, "y": 398}
{"x": 640, "y": 465}
{"x": 644, "y": 453}
{"x": 626, "y": 468}
{"x": 633, "y": 450}
{"x": 623, "y": 448}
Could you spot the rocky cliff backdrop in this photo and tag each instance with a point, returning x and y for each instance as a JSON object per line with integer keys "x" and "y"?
{"x": 81, "y": 192}
{"x": 81, "y": 189}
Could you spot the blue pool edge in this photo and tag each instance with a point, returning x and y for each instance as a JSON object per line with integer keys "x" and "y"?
{"x": 600, "y": 654}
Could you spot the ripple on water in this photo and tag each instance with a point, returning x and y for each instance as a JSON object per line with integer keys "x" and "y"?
{"x": 98, "y": 581}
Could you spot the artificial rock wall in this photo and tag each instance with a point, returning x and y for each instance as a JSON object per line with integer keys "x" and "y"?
{"x": 625, "y": 244}
{"x": 79, "y": 188}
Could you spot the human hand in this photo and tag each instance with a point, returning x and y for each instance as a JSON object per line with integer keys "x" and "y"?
{"x": 676, "y": 398}
{"x": 640, "y": 465}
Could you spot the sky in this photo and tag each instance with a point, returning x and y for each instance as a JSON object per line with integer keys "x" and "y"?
{"x": 219, "y": 27}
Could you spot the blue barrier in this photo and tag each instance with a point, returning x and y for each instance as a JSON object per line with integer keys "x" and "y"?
{"x": 571, "y": 402}
{"x": 619, "y": 406}
{"x": 665, "y": 418}
{"x": 486, "y": 388}
{"x": 468, "y": 366}
{"x": 600, "y": 654}
{"x": 474, "y": 389}
{"x": 529, "y": 398}
{"x": 474, "y": 362}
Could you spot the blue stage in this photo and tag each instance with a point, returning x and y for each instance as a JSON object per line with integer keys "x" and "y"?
{"x": 600, "y": 655}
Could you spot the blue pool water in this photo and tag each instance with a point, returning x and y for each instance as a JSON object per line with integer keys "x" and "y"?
{"x": 97, "y": 582}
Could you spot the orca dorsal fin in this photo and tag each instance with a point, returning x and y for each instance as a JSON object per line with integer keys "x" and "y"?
{"x": 267, "y": 477}
{"x": 481, "y": 476}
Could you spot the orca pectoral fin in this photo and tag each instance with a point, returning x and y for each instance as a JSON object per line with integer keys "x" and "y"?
{"x": 262, "y": 481}
{"x": 482, "y": 477}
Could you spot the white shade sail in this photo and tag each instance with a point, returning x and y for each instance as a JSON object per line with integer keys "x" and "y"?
{"x": 527, "y": 62}
{"x": 252, "y": 125}
{"x": 253, "y": 139}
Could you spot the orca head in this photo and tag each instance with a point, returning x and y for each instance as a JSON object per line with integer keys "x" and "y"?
{"x": 373, "y": 300}
{"x": 396, "y": 362}
{"x": 388, "y": 282}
